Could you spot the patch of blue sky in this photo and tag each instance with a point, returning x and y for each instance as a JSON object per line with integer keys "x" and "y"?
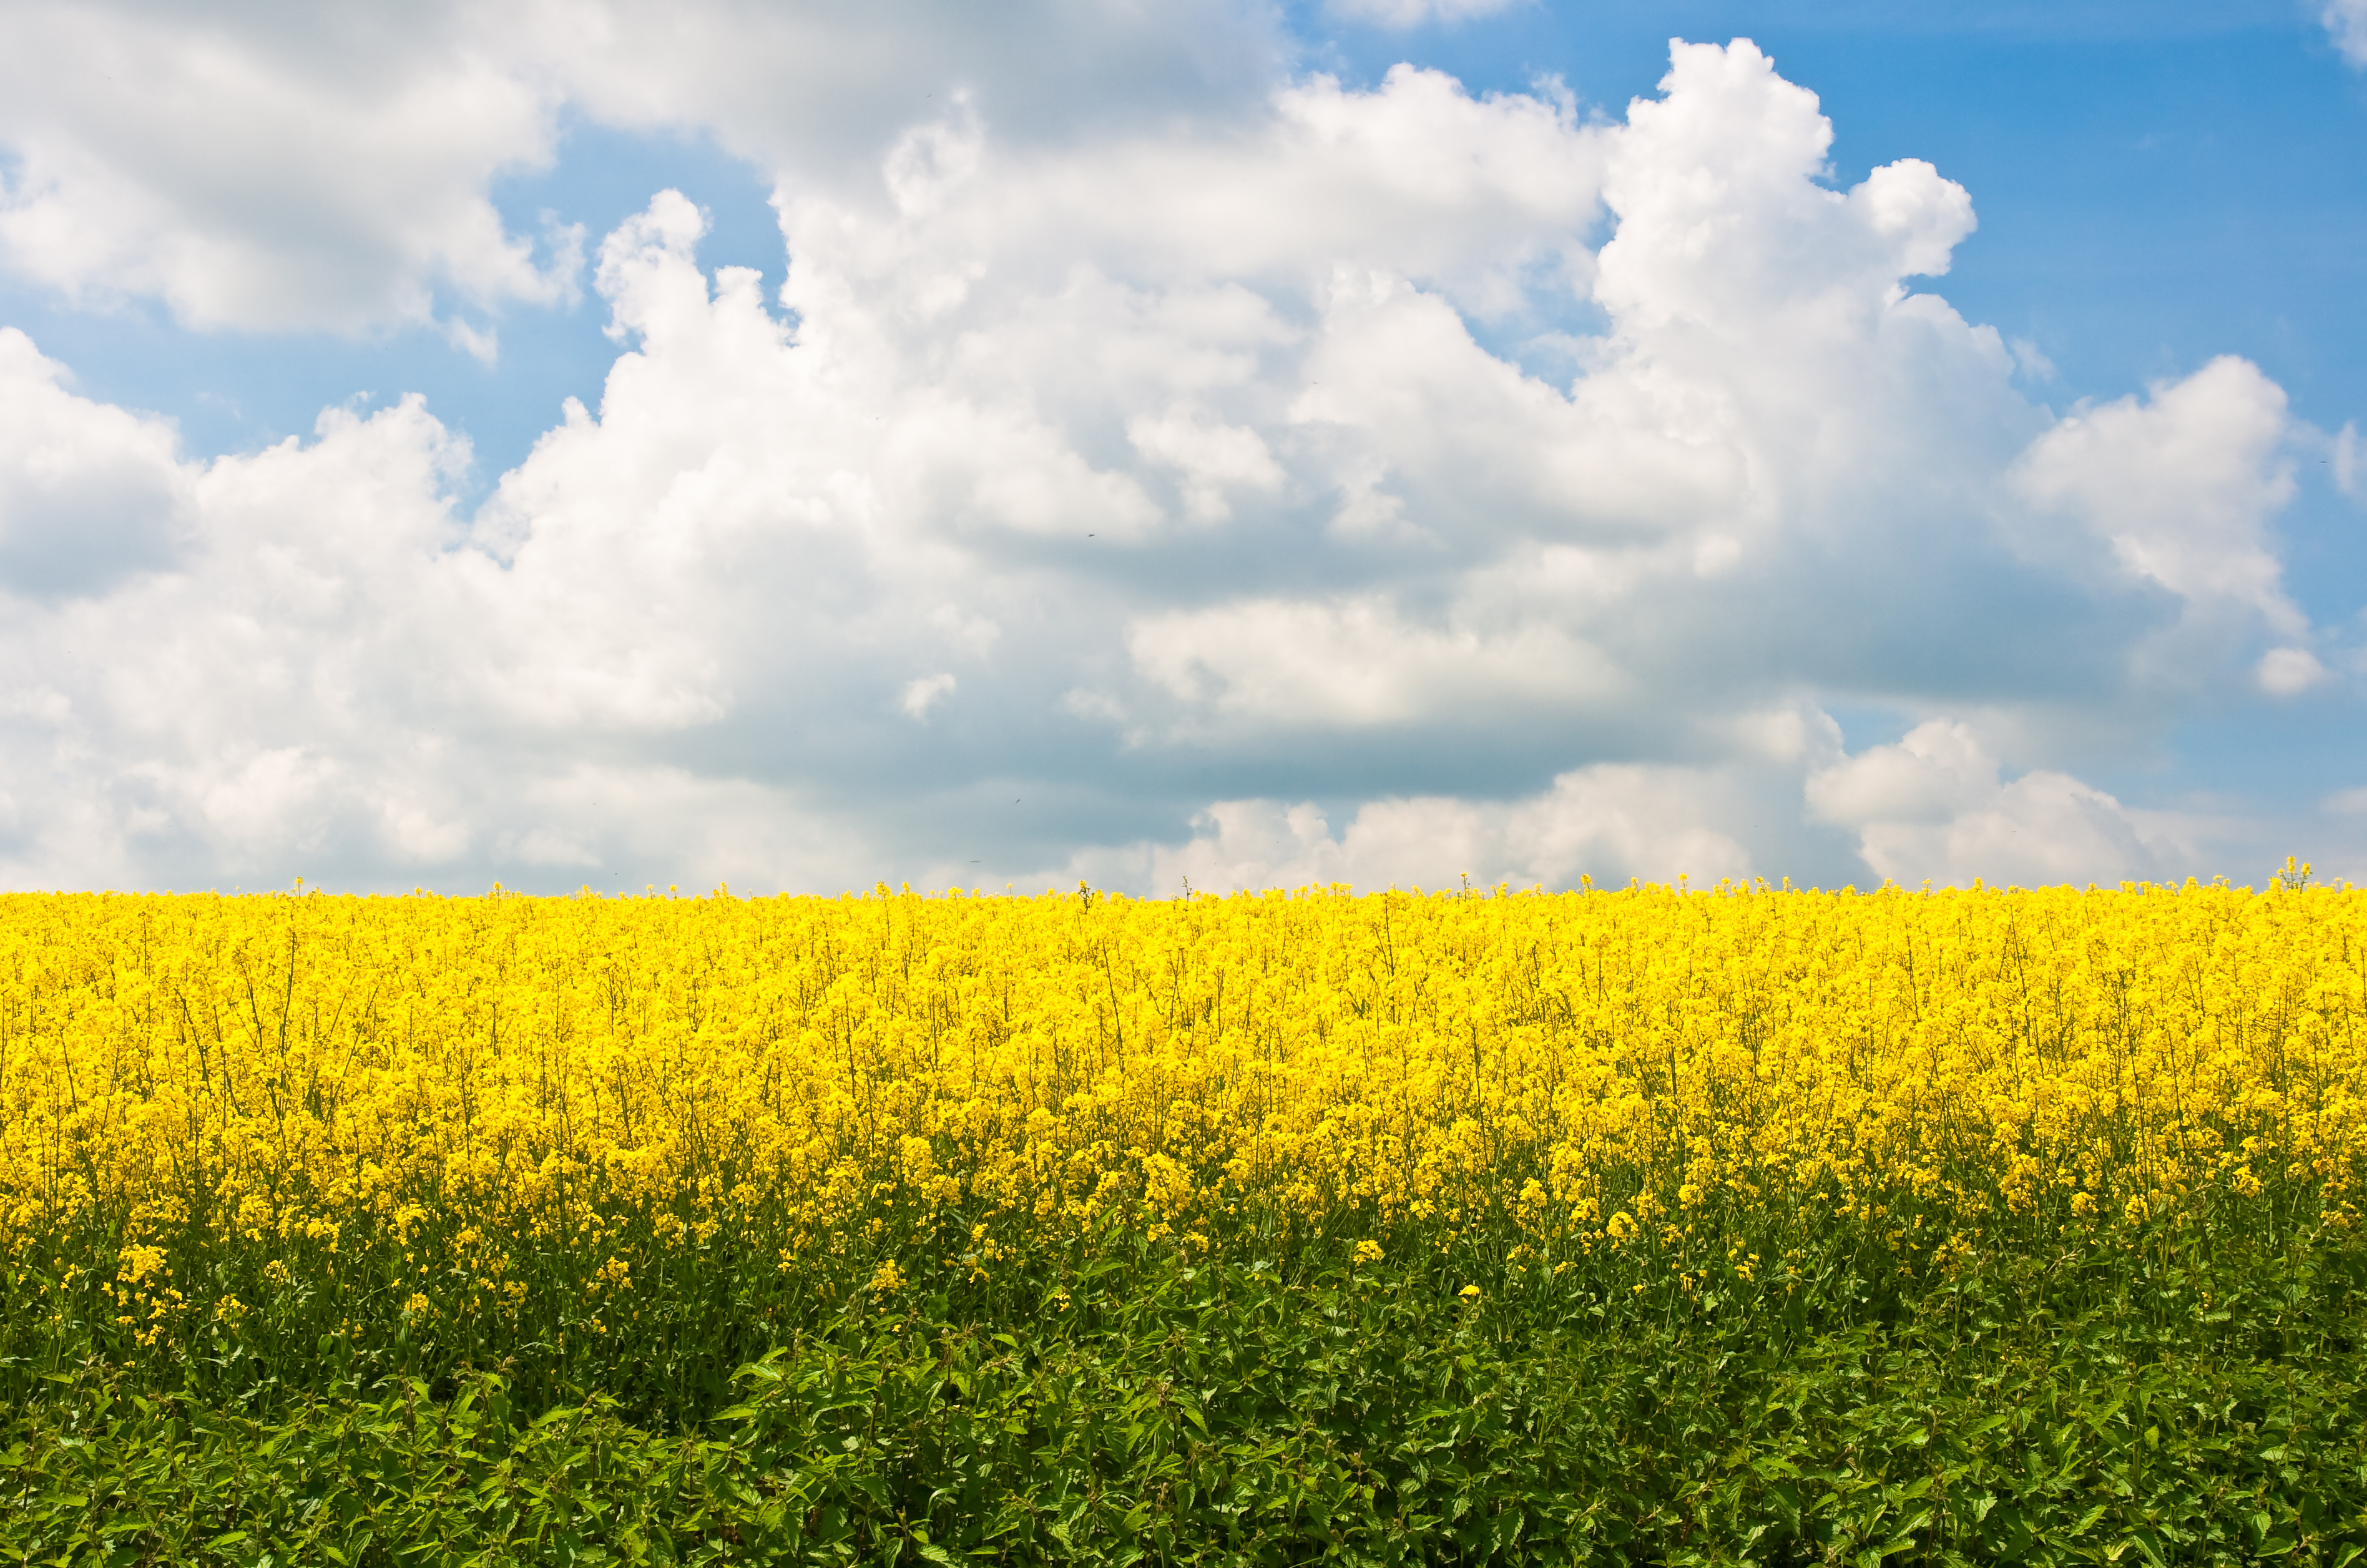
{"x": 1865, "y": 725}
{"x": 2275, "y": 760}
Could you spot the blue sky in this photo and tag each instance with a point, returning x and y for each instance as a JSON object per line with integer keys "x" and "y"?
{"x": 1339, "y": 443}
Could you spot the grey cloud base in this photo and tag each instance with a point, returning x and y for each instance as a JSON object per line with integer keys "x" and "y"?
{"x": 1144, "y": 505}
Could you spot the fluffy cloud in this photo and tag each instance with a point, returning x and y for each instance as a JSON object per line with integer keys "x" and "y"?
{"x": 1075, "y": 481}
{"x": 1934, "y": 808}
{"x": 330, "y": 168}
{"x": 323, "y": 168}
{"x": 336, "y": 678}
{"x": 1609, "y": 822}
{"x": 89, "y": 494}
{"x": 1352, "y": 664}
{"x": 2181, "y": 485}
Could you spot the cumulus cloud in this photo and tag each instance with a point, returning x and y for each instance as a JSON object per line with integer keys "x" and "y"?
{"x": 1357, "y": 663}
{"x": 2182, "y": 484}
{"x": 330, "y": 168}
{"x": 1078, "y": 487}
{"x": 1609, "y": 822}
{"x": 1933, "y": 807}
{"x": 320, "y": 169}
{"x": 89, "y": 494}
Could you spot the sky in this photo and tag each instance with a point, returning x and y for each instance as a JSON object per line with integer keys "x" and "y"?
{"x": 1211, "y": 444}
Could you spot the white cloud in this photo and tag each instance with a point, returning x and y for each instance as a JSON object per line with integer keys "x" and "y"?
{"x": 2183, "y": 485}
{"x": 925, "y": 692}
{"x": 1932, "y": 807}
{"x": 2346, "y": 23}
{"x": 330, "y": 168}
{"x": 279, "y": 171}
{"x": 1211, "y": 461}
{"x": 1610, "y": 823}
{"x": 1725, "y": 165}
{"x": 1092, "y": 475}
{"x": 2286, "y": 672}
{"x": 1938, "y": 772}
{"x": 1355, "y": 663}
{"x": 89, "y": 494}
{"x": 824, "y": 90}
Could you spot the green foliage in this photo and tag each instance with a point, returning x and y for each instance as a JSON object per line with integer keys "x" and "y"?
{"x": 2194, "y": 1400}
{"x": 242, "y": 1326}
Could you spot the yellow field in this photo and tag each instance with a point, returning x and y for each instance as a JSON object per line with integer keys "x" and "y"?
{"x": 1584, "y": 1067}
{"x": 1649, "y": 1218}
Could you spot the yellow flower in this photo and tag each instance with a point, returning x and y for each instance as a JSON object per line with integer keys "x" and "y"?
{"x": 1478, "y": 1063}
{"x": 137, "y": 1264}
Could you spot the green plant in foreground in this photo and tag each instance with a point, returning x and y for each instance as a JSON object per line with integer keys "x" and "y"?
{"x": 2193, "y": 1400}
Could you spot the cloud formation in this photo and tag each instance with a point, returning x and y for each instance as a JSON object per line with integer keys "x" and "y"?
{"x": 330, "y": 168}
{"x": 1934, "y": 808}
{"x": 89, "y": 496}
{"x": 323, "y": 168}
{"x": 1520, "y": 490}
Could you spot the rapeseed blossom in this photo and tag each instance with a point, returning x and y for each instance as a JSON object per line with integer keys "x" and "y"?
{"x": 457, "y": 1083}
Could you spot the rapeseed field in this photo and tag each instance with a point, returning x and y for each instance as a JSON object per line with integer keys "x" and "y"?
{"x": 1747, "y": 1223}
